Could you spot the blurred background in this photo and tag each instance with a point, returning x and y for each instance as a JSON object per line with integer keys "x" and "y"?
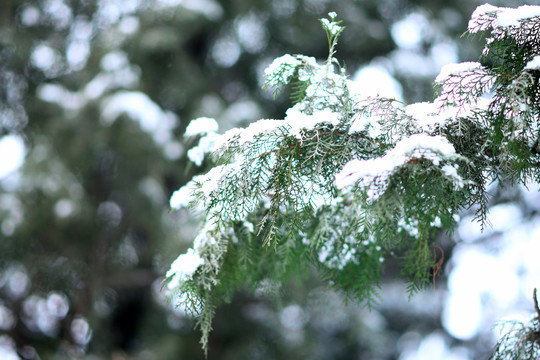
{"x": 95, "y": 96}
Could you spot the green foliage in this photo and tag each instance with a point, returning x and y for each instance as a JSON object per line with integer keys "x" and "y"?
{"x": 512, "y": 114}
{"x": 520, "y": 341}
{"x": 345, "y": 183}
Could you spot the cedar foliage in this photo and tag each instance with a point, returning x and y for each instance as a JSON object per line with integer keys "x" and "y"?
{"x": 289, "y": 194}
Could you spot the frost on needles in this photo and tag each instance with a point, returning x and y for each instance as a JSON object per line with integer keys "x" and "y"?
{"x": 345, "y": 182}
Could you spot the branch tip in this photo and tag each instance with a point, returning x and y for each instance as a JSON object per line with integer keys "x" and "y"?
{"x": 535, "y": 300}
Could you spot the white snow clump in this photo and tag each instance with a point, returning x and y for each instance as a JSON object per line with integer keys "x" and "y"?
{"x": 372, "y": 174}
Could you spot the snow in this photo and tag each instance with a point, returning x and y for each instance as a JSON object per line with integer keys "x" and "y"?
{"x": 182, "y": 197}
{"x": 534, "y": 63}
{"x": 296, "y": 123}
{"x": 476, "y": 278}
{"x": 125, "y": 77}
{"x": 203, "y": 185}
{"x": 226, "y": 51}
{"x": 139, "y": 107}
{"x": 449, "y": 70}
{"x": 249, "y": 226}
{"x": 512, "y": 17}
{"x": 55, "y": 93}
{"x": 12, "y": 152}
{"x": 300, "y": 122}
{"x": 325, "y": 88}
{"x": 252, "y": 32}
{"x": 451, "y": 172}
{"x": 410, "y": 227}
{"x": 201, "y": 126}
{"x": 8, "y": 348}
{"x": 196, "y": 155}
{"x": 30, "y": 15}
{"x": 281, "y": 70}
{"x": 372, "y": 173}
{"x": 152, "y": 119}
{"x": 114, "y": 61}
{"x": 332, "y": 27}
{"x": 323, "y": 92}
{"x": 210, "y": 181}
{"x": 242, "y": 136}
{"x": 77, "y": 54}
{"x": 207, "y": 144}
{"x": 462, "y": 315}
{"x": 375, "y": 79}
{"x": 183, "y": 268}
{"x": 427, "y": 115}
{"x": 482, "y": 281}
{"x": 369, "y": 125}
{"x": 7, "y": 318}
{"x": 81, "y": 332}
{"x": 459, "y": 80}
{"x": 258, "y": 128}
{"x": 338, "y": 258}
{"x": 205, "y": 236}
{"x": 500, "y": 17}
{"x": 498, "y": 268}
{"x": 430, "y": 116}
{"x": 310, "y": 71}
{"x": 478, "y": 22}
{"x": 293, "y": 317}
{"x": 129, "y": 25}
{"x": 409, "y": 32}
{"x": 45, "y": 57}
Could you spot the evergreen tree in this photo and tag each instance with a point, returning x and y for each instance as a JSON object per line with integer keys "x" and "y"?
{"x": 345, "y": 183}
{"x": 91, "y": 87}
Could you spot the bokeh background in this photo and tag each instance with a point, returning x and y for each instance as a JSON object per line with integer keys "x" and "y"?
{"x": 95, "y": 96}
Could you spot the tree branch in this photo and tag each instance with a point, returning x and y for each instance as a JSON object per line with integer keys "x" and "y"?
{"x": 535, "y": 300}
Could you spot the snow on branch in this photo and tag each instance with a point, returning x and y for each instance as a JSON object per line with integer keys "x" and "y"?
{"x": 487, "y": 15}
{"x": 343, "y": 181}
{"x": 463, "y": 83}
{"x": 373, "y": 174}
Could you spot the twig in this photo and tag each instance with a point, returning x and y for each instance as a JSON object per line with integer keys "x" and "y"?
{"x": 535, "y": 300}
{"x": 438, "y": 264}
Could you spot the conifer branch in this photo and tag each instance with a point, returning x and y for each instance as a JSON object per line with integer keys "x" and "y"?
{"x": 343, "y": 181}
